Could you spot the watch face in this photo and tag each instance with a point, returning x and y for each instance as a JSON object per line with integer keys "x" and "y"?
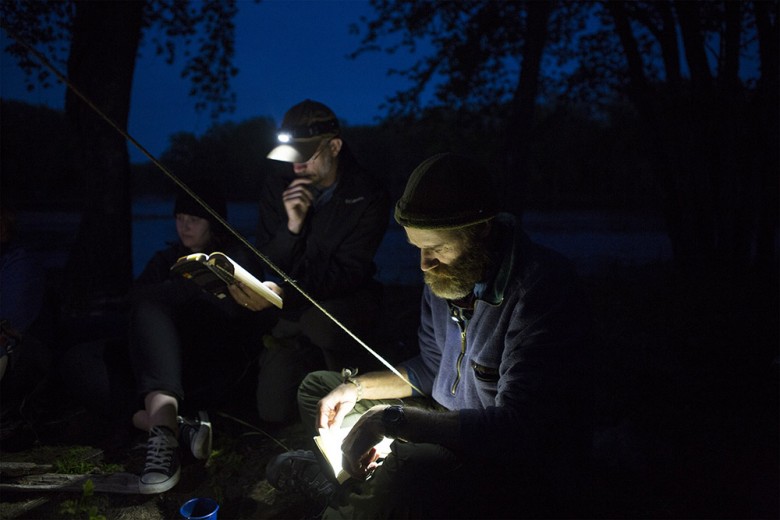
{"x": 393, "y": 414}
{"x": 393, "y": 418}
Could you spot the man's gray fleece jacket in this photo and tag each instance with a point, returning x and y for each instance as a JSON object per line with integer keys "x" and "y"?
{"x": 518, "y": 369}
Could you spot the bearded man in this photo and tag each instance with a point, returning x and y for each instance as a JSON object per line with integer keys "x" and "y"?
{"x": 491, "y": 419}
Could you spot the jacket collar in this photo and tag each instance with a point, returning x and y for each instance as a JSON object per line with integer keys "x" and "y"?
{"x": 510, "y": 240}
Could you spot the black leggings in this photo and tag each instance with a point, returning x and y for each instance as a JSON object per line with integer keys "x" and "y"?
{"x": 189, "y": 349}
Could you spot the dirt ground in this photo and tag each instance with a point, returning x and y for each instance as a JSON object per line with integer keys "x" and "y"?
{"x": 234, "y": 476}
{"x": 51, "y": 428}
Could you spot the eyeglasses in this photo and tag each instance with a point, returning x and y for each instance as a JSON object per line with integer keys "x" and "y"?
{"x": 310, "y": 159}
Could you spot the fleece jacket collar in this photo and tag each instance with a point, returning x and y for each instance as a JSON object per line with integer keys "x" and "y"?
{"x": 510, "y": 241}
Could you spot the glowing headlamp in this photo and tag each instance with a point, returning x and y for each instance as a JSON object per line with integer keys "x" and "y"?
{"x": 285, "y": 135}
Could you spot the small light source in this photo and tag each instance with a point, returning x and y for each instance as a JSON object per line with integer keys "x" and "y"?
{"x": 284, "y": 137}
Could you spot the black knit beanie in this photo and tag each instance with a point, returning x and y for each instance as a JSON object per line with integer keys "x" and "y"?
{"x": 447, "y": 191}
{"x": 210, "y": 192}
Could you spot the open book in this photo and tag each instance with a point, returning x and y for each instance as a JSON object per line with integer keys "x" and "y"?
{"x": 214, "y": 272}
{"x": 329, "y": 443}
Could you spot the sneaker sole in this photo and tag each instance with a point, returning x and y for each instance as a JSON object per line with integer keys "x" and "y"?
{"x": 160, "y": 487}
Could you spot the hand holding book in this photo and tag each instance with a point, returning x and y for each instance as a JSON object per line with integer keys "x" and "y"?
{"x": 330, "y": 441}
{"x": 218, "y": 274}
{"x": 250, "y": 299}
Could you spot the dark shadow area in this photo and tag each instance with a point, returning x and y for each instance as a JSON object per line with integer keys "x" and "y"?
{"x": 687, "y": 415}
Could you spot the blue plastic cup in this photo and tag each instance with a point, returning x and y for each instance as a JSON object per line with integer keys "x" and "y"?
{"x": 200, "y": 509}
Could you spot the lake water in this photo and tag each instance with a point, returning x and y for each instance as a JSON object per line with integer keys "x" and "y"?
{"x": 595, "y": 241}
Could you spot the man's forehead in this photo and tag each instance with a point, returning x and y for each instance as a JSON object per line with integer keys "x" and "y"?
{"x": 429, "y": 237}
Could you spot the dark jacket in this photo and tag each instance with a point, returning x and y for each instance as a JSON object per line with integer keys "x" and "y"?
{"x": 519, "y": 372}
{"x": 333, "y": 256}
{"x": 157, "y": 282}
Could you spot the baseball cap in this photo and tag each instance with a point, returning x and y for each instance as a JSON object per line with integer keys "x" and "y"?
{"x": 303, "y": 128}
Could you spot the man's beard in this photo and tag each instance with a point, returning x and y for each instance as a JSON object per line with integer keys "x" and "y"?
{"x": 325, "y": 166}
{"x": 456, "y": 280}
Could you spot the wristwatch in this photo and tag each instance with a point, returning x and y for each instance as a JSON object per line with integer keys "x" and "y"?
{"x": 393, "y": 419}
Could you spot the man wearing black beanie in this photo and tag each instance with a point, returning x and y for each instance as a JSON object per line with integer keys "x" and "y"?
{"x": 491, "y": 419}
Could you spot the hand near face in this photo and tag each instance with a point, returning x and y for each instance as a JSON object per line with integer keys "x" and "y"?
{"x": 297, "y": 200}
{"x": 359, "y": 455}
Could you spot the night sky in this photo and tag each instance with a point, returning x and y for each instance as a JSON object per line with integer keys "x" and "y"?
{"x": 286, "y": 51}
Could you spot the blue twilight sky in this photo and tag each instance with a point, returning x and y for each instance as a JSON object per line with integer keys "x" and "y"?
{"x": 286, "y": 51}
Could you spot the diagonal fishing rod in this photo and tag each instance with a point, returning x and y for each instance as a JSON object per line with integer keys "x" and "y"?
{"x": 46, "y": 63}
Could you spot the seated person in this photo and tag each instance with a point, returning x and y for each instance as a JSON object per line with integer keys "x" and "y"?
{"x": 502, "y": 429}
{"x": 24, "y": 357}
{"x": 321, "y": 224}
{"x": 186, "y": 347}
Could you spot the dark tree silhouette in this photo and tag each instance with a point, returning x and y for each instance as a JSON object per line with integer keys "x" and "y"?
{"x": 104, "y": 38}
{"x": 228, "y": 150}
{"x": 477, "y": 49}
{"x": 714, "y": 131}
{"x": 715, "y": 136}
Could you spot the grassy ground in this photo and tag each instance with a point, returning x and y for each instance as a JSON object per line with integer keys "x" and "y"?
{"x": 687, "y": 415}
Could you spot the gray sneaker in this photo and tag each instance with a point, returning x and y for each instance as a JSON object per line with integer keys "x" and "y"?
{"x": 196, "y": 433}
{"x": 162, "y": 469}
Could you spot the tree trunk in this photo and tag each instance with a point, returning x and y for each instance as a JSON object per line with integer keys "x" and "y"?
{"x": 665, "y": 144}
{"x": 708, "y": 151}
{"x": 101, "y": 64}
{"x": 670, "y": 50}
{"x": 693, "y": 42}
{"x": 766, "y": 107}
{"x": 520, "y": 120}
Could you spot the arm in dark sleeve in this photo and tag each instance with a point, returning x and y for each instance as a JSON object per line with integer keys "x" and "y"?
{"x": 157, "y": 269}
{"x": 542, "y": 378}
{"x": 273, "y": 239}
{"x": 156, "y": 282}
{"x": 334, "y": 272}
{"x": 22, "y": 285}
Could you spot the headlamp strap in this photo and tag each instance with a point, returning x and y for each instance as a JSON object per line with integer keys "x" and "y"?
{"x": 331, "y": 126}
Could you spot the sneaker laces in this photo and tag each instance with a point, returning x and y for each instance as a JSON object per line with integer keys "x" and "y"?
{"x": 159, "y": 450}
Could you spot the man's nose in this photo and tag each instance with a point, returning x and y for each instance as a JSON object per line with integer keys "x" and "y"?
{"x": 428, "y": 262}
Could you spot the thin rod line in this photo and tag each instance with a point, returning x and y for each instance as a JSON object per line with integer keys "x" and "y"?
{"x": 203, "y": 204}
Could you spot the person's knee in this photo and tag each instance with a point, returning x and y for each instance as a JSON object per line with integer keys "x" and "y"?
{"x": 276, "y": 396}
{"x": 274, "y": 410}
{"x": 314, "y": 385}
{"x": 147, "y": 315}
{"x": 320, "y": 331}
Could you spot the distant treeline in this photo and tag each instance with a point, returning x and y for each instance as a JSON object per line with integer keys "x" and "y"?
{"x": 578, "y": 161}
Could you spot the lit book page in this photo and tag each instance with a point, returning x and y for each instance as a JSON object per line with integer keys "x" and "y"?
{"x": 329, "y": 443}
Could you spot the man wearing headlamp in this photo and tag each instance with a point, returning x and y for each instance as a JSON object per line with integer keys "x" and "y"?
{"x": 322, "y": 227}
